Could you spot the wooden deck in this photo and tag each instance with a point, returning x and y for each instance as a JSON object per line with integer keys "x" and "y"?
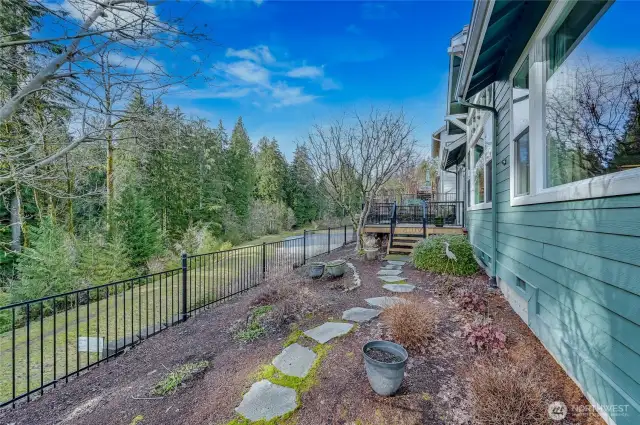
{"x": 413, "y": 229}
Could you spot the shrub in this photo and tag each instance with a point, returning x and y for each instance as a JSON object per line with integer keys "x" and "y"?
{"x": 430, "y": 255}
{"x": 503, "y": 394}
{"x": 483, "y": 335}
{"x": 170, "y": 383}
{"x": 270, "y": 217}
{"x": 410, "y": 323}
{"x": 289, "y": 298}
{"x": 472, "y": 301}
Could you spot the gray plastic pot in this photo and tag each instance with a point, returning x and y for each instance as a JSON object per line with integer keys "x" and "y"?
{"x": 371, "y": 253}
{"x": 385, "y": 378}
{"x": 335, "y": 268}
{"x": 316, "y": 270}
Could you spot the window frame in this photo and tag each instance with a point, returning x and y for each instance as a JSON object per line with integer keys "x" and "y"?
{"x": 625, "y": 182}
{"x": 484, "y": 128}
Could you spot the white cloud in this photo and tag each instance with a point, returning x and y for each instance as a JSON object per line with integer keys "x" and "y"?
{"x": 287, "y": 96}
{"x": 330, "y": 84}
{"x": 137, "y": 63}
{"x": 213, "y": 93}
{"x": 131, "y": 15}
{"x": 196, "y": 58}
{"x": 247, "y": 72}
{"x": 306, "y": 72}
{"x": 258, "y": 54}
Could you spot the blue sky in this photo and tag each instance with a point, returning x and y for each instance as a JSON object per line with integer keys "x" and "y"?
{"x": 284, "y": 65}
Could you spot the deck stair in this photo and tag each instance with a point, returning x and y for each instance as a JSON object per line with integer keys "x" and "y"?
{"x": 402, "y": 244}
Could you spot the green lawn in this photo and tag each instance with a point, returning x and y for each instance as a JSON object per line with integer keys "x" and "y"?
{"x": 151, "y": 301}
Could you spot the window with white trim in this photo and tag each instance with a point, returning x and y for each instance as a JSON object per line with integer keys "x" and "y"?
{"x": 480, "y": 164}
{"x": 575, "y": 128}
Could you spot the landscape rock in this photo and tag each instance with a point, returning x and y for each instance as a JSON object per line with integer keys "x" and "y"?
{"x": 265, "y": 401}
{"x": 328, "y": 331}
{"x": 295, "y": 360}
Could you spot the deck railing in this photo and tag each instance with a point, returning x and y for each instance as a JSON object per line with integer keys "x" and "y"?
{"x": 425, "y": 213}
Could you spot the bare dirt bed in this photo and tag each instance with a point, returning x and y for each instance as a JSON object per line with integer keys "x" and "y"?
{"x": 434, "y": 390}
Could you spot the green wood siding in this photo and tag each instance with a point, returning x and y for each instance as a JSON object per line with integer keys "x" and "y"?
{"x": 581, "y": 260}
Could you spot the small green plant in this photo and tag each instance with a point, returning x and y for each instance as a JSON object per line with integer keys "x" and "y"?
{"x": 293, "y": 337}
{"x": 137, "y": 420}
{"x": 170, "y": 383}
{"x": 254, "y": 328}
{"x": 430, "y": 255}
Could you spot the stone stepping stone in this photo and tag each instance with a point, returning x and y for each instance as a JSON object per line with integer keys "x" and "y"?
{"x": 396, "y": 263}
{"x": 391, "y": 267}
{"x": 397, "y": 257}
{"x": 389, "y": 272}
{"x": 328, "y": 331}
{"x": 266, "y": 401}
{"x": 384, "y": 302}
{"x": 295, "y": 360}
{"x": 399, "y": 287}
{"x": 360, "y": 315}
{"x": 393, "y": 279}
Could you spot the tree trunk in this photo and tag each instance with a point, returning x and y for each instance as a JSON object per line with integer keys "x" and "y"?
{"x": 16, "y": 225}
{"x": 361, "y": 222}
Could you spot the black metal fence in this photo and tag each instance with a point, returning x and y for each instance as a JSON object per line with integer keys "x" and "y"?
{"x": 451, "y": 212}
{"x": 49, "y": 340}
{"x": 381, "y": 213}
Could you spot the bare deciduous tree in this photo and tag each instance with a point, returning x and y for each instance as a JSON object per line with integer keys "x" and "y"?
{"x": 359, "y": 158}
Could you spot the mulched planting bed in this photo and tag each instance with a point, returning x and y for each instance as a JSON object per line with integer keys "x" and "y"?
{"x": 434, "y": 390}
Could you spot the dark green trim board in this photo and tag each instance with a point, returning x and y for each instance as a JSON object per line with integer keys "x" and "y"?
{"x": 579, "y": 264}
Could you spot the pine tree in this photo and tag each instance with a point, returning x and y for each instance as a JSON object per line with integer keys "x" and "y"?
{"x": 139, "y": 227}
{"x": 47, "y": 267}
{"x": 271, "y": 171}
{"x": 627, "y": 152}
{"x": 102, "y": 261}
{"x": 302, "y": 194}
{"x": 239, "y": 169}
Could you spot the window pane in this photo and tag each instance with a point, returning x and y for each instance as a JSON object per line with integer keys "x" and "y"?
{"x": 488, "y": 173}
{"x": 479, "y": 184}
{"x": 592, "y": 103}
{"x": 522, "y": 172}
{"x": 521, "y": 99}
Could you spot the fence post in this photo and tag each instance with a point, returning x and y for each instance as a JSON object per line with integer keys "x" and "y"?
{"x": 304, "y": 247}
{"x": 329, "y": 240}
{"x": 264, "y": 260}
{"x": 184, "y": 286}
{"x": 345, "y": 234}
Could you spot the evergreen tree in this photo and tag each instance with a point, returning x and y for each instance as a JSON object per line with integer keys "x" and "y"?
{"x": 303, "y": 195}
{"x": 102, "y": 261}
{"x": 627, "y": 152}
{"x": 239, "y": 169}
{"x": 47, "y": 266}
{"x": 139, "y": 227}
{"x": 271, "y": 171}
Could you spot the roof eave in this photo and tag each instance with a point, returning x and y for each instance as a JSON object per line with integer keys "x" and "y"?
{"x": 478, "y": 27}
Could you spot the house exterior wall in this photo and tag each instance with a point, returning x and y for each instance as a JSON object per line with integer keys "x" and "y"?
{"x": 579, "y": 265}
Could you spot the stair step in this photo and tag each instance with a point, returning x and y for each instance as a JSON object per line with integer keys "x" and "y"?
{"x": 401, "y": 243}
{"x": 407, "y": 238}
{"x": 396, "y": 249}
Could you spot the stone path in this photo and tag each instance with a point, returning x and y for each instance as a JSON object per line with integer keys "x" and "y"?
{"x": 392, "y": 279}
{"x": 387, "y": 272}
{"x": 399, "y": 287}
{"x": 295, "y": 360}
{"x": 360, "y": 315}
{"x": 384, "y": 302}
{"x": 327, "y": 331}
{"x": 265, "y": 400}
